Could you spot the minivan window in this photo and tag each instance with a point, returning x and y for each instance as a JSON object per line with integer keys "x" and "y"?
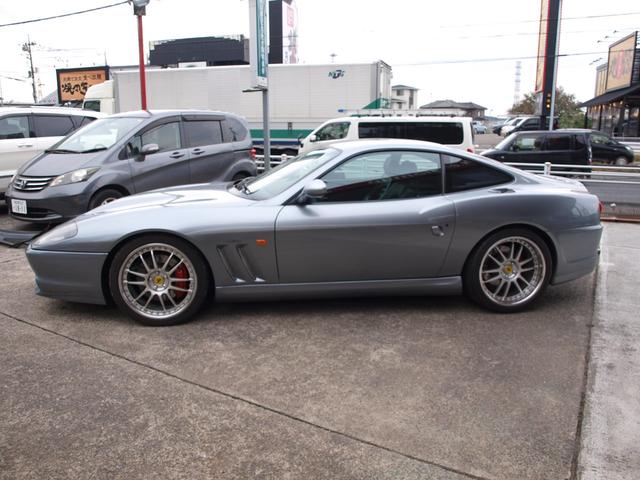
{"x": 333, "y": 131}
{"x": 466, "y": 174}
{"x": 527, "y": 143}
{"x": 102, "y": 133}
{"x": 166, "y": 136}
{"x": 12, "y": 128}
{"x": 448, "y": 133}
{"x": 52, "y": 125}
{"x": 558, "y": 142}
{"x": 233, "y": 130}
{"x": 203, "y": 132}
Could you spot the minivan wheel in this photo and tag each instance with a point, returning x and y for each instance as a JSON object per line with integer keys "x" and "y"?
{"x": 621, "y": 161}
{"x": 508, "y": 270}
{"x": 103, "y": 197}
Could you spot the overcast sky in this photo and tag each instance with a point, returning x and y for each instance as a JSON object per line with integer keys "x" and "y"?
{"x": 447, "y": 49}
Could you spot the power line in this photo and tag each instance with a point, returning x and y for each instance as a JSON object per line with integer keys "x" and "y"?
{"x": 63, "y": 15}
{"x": 539, "y": 20}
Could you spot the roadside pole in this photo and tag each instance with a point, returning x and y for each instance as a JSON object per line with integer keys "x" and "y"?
{"x": 259, "y": 56}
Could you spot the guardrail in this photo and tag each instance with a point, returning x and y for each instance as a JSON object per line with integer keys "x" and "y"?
{"x": 585, "y": 173}
{"x": 275, "y": 160}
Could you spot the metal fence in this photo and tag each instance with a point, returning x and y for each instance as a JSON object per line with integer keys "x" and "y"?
{"x": 585, "y": 173}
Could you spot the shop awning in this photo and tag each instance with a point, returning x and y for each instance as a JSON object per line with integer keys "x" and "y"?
{"x": 611, "y": 96}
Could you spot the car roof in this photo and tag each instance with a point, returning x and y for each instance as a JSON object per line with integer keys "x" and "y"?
{"x": 389, "y": 143}
{"x": 405, "y": 118}
{"x": 169, "y": 113}
{"x": 51, "y": 110}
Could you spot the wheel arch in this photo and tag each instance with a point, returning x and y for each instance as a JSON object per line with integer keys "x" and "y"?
{"x": 111, "y": 186}
{"x": 106, "y": 267}
{"x": 525, "y": 226}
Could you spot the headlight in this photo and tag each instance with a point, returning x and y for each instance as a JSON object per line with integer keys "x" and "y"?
{"x": 74, "y": 177}
{"x": 58, "y": 234}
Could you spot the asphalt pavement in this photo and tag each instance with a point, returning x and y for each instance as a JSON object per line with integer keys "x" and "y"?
{"x": 381, "y": 388}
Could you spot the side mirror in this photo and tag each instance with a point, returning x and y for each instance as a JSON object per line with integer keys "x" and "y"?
{"x": 313, "y": 191}
{"x": 313, "y": 138}
{"x": 149, "y": 149}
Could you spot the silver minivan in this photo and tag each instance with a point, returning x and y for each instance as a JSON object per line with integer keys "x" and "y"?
{"x": 128, "y": 153}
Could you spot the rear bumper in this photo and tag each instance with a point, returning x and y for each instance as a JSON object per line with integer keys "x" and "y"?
{"x": 75, "y": 277}
{"x": 578, "y": 253}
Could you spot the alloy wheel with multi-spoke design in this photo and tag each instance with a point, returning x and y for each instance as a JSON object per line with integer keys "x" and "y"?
{"x": 508, "y": 270}
{"x": 159, "y": 282}
{"x": 512, "y": 270}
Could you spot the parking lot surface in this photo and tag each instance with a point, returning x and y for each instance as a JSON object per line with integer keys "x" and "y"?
{"x": 379, "y": 388}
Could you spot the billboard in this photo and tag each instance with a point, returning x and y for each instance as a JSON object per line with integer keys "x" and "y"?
{"x": 620, "y": 64}
{"x": 601, "y": 80}
{"x": 289, "y": 31}
{"x": 543, "y": 34}
{"x": 74, "y": 82}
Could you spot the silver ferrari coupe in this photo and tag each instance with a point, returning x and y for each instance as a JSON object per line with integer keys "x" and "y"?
{"x": 373, "y": 217}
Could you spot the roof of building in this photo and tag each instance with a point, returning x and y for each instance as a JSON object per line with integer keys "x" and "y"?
{"x": 406, "y": 87}
{"x": 452, "y": 104}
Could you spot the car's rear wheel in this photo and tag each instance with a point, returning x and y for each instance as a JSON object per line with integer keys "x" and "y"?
{"x": 621, "y": 161}
{"x": 103, "y": 197}
{"x": 508, "y": 270}
{"x": 159, "y": 280}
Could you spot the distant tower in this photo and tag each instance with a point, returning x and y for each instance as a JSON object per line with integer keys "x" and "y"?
{"x": 516, "y": 88}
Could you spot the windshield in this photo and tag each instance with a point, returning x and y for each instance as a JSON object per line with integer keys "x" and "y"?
{"x": 98, "y": 135}
{"x": 285, "y": 175}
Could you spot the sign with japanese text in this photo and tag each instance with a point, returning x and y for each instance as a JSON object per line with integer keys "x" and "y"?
{"x": 620, "y": 65}
{"x": 74, "y": 82}
{"x": 259, "y": 42}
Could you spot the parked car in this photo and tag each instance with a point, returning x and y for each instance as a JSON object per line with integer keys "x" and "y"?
{"x": 531, "y": 124}
{"x": 511, "y": 125}
{"x": 453, "y": 132}
{"x": 394, "y": 217}
{"x": 498, "y": 126}
{"x": 130, "y": 153}
{"x": 27, "y": 131}
{"x": 479, "y": 128}
{"x": 563, "y": 146}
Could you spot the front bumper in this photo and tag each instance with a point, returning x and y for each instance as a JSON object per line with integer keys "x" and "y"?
{"x": 51, "y": 205}
{"x": 71, "y": 276}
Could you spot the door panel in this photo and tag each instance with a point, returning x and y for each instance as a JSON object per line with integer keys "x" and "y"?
{"x": 375, "y": 240}
{"x": 17, "y": 145}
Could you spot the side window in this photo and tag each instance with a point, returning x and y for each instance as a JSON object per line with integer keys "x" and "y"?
{"x": 12, "y": 128}
{"x": 203, "y": 132}
{"x": 385, "y": 176}
{"x": 527, "y": 143}
{"x": 52, "y": 125}
{"x": 81, "y": 120}
{"x": 599, "y": 139}
{"x": 166, "y": 136}
{"x": 333, "y": 131}
{"x": 233, "y": 130}
{"x": 579, "y": 142}
{"x": 382, "y": 130}
{"x": 558, "y": 142}
{"x": 466, "y": 174}
{"x": 447, "y": 133}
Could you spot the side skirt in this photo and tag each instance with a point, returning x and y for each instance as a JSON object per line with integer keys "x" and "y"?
{"x": 282, "y": 291}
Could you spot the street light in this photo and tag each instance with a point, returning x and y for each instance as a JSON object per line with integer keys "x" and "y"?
{"x": 139, "y": 9}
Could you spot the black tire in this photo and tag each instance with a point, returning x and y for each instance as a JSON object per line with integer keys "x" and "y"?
{"x": 525, "y": 271}
{"x": 240, "y": 176}
{"x": 621, "y": 161}
{"x": 104, "y": 196}
{"x": 166, "y": 273}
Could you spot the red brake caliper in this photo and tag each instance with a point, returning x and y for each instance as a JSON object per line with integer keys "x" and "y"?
{"x": 181, "y": 272}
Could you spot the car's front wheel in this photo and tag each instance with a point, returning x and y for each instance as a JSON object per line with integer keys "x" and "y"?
{"x": 158, "y": 280}
{"x": 621, "y": 161}
{"x": 508, "y": 270}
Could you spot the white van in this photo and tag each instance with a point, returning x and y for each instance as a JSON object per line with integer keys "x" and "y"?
{"x": 453, "y": 132}
{"x": 27, "y": 131}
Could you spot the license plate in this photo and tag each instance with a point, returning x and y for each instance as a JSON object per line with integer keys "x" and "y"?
{"x": 19, "y": 206}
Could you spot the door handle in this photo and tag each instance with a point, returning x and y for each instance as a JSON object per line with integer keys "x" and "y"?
{"x": 176, "y": 155}
{"x": 25, "y": 145}
{"x": 437, "y": 231}
{"x": 502, "y": 190}
{"x": 197, "y": 151}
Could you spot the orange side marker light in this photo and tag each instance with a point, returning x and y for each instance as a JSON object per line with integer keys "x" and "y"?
{"x": 261, "y": 242}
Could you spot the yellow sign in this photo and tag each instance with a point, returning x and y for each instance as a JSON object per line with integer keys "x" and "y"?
{"x": 620, "y": 66}
{"x": 73, "y": 83}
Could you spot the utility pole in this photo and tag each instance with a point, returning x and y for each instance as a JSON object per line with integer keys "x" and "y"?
{"x": 26, "y": 47}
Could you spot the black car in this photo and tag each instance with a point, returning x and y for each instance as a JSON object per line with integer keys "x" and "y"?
{"x": 564, "y": 146}
{"x": 532, "y": 124}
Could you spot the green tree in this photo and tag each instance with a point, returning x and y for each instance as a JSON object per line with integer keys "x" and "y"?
{"x": 567, "y": 110}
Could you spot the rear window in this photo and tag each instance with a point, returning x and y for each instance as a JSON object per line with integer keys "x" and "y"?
{"x": 558, "y": 142}
{"x": 447, "y": 133}
{"x": 465, "y": 174}
{"x": 233, "y": 130}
